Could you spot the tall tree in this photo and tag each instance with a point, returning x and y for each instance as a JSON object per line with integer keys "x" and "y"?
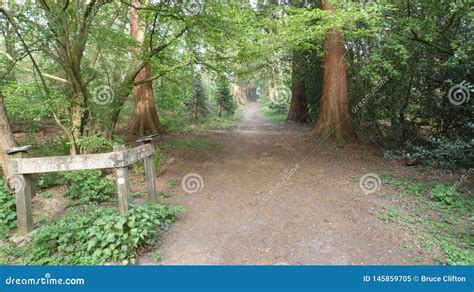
{"x": 225, "y": 101}
{"x": 145, "y": 118}
{"x": 334, "y": 120}
{"x": 298, "y": 111}
{"x": 70, "y": 25}
{"x": 200, "y": 99}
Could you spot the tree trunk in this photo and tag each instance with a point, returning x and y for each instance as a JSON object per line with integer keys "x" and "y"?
{"x": 298, "y": 111}
{"x": 334, "y": 120}
{"x": 145, "y": 120}
{"x": 6, "y": 137}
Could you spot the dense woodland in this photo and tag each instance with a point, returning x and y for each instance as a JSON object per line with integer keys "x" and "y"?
{"x": 394, "y": 74}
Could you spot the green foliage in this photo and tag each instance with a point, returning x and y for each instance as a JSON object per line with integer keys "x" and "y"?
{"x": 200, "y": 105}
{"x": 445, "y": 194}
{"x": 173, "y": 182}
{"x": 11, "y": 255}
{"x": 7, "y": 210}
{"x": 216, "y": 123}
{"x": 441, "y": 152}
{"x": 391, "y": 215}
{"x": 224, "y": 98}
{"x": 163, "y": 194}
{"x": 458, "y": 255}
{"x": 97, "y": 143}
{"x": 158, "y": 255}
{"x": 54, "y": 147}
{"x": 407, "y": 186}
{"x": 22, "y": 107}
{"x": 100, "y": 235}
{"x": 438, "y": 214}
{"x": 159, "y": 159}
{"x": 45, "y": 195}
{"x": 88, "y": 186}
{"x": 274, "y": 115}
{"x": 48, "y": 180}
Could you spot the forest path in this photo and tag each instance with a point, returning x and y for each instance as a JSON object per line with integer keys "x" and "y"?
{"x": 273, "y": 194}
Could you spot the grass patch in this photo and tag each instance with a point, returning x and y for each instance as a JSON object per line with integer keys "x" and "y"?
{"x": 273, "y": 115}
{"x": 438, "y": 214}
{"x": 391, "y": 215}
{"x": 213, "y": 122}
{"x": 188, "y": 143}
{"x": 217, "y": 122}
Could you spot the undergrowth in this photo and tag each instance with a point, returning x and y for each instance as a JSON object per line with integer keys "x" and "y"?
{"x": 88, "y": 186}
{"x": 213, "y": 122}
{"x": 274, "y": 115}
{"x": 7, "y": 210}
{"x": 96, "y": 235}
{"x": 440, "y": 216}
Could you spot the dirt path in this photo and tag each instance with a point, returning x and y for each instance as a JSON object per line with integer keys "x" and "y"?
{"x": 273, "y": 194}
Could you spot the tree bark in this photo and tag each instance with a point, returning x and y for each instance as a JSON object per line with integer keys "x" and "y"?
{"x": 334, "y": 120}
{"x": 145, "y": 120}
{"x": 298, "y": 111}
{"x": 6, "y": 137}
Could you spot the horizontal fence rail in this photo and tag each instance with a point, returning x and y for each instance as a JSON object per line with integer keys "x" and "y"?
{"x": 116, "y": 159}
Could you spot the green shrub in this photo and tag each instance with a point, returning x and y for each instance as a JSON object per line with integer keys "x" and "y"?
{"x": 56, "y": 147}
{"x": 158, "y": 255}
{"x": 224, "y": 97}
{"x": 445, "y": 194}
{"x": 159, "y": 159}
{"x": 7, "y": 210}
{"x": 88, "y": 186}
{"x": 48, "y": 180}
{"x": 274, "y": 115}
{"x": 99, "y": 235}
{"x": 440, "y": 152}
{"x": 96, "y": 143}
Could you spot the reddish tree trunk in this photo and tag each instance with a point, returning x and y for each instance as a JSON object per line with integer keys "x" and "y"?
{"x": 145, "y": 120}
{"x": 334, "y": 120}
{"x": 298, "y": 111}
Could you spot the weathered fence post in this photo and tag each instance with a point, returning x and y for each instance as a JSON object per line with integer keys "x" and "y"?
{"x": 150, "y": 178}
{"x": 21, "y": 186}
{"x": 123, "y": 184}
{"x": 150, "y": 168}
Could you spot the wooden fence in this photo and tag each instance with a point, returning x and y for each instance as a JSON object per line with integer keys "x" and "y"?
{"x": 22, "y": 168}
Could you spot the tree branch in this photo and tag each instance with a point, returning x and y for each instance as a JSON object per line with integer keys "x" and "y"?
{"x": 26, "y": 69}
